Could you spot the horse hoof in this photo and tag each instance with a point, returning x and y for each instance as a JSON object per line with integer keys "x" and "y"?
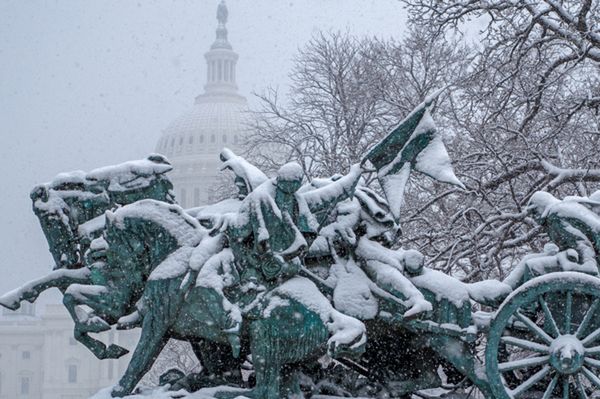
{"x": 118, "y": 393}
{"x": 95, "y": 325}
{"x": 115, "y": 351}
{"x": 11, "y": 306}
{"x": 9, "y": 302}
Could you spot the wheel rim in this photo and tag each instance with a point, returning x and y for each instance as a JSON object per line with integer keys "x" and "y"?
{"x": 557, "y": 323}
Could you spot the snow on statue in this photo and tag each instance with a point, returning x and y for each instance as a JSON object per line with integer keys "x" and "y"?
{"x": 292, "y": 274}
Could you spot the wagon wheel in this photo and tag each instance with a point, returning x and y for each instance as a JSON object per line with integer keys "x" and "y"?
{"x": 555, "y": 321}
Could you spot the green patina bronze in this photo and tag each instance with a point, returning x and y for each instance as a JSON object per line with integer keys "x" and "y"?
{"x": 291, "y": 271}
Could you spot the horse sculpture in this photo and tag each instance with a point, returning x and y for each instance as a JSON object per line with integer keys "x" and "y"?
{"x": 136, "y": 272}
{"x": 71, "y": 212}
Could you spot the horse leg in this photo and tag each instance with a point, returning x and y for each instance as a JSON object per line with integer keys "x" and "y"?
{"x": 290, "y": 382}
{"x": 266, "y": 360}
{"x": 93, "y": 296}
{"x": 98, "y": 348}
{"x": 162, "y": 300}
{"x": 218, "y": 361}
{"x": 71, "y": 299}
{"x": 130, "y": 321}
{"x": 61, "y": 279}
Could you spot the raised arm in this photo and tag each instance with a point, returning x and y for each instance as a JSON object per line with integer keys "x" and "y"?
{"x": 321, "y": 201}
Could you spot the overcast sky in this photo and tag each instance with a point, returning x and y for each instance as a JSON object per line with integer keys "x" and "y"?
{"x": 90, "y": 83}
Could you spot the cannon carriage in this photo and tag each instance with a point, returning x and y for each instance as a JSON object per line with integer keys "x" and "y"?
{"x": 541, "y": 341}
{"x": 534, "y": 335}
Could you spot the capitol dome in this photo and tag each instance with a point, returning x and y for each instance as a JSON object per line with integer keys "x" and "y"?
{"x": 193, "y": 141}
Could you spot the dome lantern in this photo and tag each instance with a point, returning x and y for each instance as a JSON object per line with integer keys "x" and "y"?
{"x": 193, "y": 141}
{"x": 221, "y": 60}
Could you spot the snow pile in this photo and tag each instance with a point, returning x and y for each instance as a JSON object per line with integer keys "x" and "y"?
{"x": 215, "y": 216}
{"x": 291, "y": 171}
{"x": 164, "y": 393}
{"x": 184, "y": 228}
{"x": 446, "y": 287}
{"x": 545, "y": 204}
{"x": 91, "y": 228}
{"x": 174, "y": 265}
{"x": 133, "y": 174}
{"x": 488, "y": 291}
{"x": 66, "y": 179}
{"x": 208, "y": 247}
{"x": 443, "y": 286}
{"x": 336, "y": 190}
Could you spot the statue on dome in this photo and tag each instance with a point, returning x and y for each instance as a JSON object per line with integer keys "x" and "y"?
{"x": 222, "y": 13}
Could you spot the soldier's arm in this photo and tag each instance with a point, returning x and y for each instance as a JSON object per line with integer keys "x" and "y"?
{"x": 321, "y": 201}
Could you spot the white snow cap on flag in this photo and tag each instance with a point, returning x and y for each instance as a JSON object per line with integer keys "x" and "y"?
{"x": 434, "y": 160}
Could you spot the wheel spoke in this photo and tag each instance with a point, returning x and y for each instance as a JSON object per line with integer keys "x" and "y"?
{"x": 568, "y": 311}
{"x": 595, "y": 351}
{"x": 588, "y": 317}
{"x": 592, "y": 362}
{"x": 525, "y": 344}
{"x": 591, "y": 376}
{"x": 531, "y": 381}
{"x": 580, "y": 388}
{"x": 550, "y": 389}
{"x": 591, "y": 338}
{"x": 549, "y": 318}
{"x": 533, "y": 327}
{"x": 523, "y": 363}
{"x": 565, "y": 388}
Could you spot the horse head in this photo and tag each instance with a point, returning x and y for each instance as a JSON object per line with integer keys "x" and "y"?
{"x": 63, "y": 206}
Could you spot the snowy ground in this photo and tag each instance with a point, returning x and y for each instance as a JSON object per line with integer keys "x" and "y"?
{"x": 208, "y": 393}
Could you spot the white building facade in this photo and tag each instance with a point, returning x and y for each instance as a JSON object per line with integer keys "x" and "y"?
{"x": 40, "y": 359}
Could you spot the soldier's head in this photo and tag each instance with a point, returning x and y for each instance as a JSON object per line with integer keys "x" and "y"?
{"x": 539, "y": 203}
{"x": 242, "y": 187}
{"x": 551, "y": 249}
{"x": 289, "y": 177}
{"x": 413, "y": 262}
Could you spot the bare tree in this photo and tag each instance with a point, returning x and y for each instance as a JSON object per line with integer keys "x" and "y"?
{"x": 175, "y": 354}
{"x": 334, "y": 110}
{"x": 525, "y": 120}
